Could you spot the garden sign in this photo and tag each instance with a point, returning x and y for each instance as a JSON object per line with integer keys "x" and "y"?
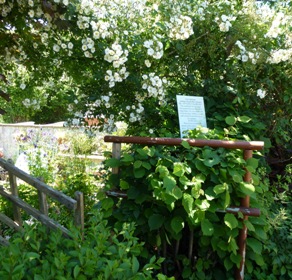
{"x": 191, "y": 113}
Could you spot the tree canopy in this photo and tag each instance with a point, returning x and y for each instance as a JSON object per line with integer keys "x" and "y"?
{"x": 126, "y": 61}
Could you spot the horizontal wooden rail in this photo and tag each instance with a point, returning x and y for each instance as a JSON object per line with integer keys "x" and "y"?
{"x": 35, "y": 213}
{"x": 69, "y": 202}
{"x": 3, "y": 241}
{"x": 244, "y": 145}
{"x": 247, "y": 211}
{"x": 12, "y": 224}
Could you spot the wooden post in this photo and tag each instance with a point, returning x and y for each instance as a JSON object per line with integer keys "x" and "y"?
{"x": 14, "y": 191}
{"x": 116, "y": 150}
{"x": 43, "y": 201}
{"x": 239, "y": 272}
{"x": 79, "y": 212}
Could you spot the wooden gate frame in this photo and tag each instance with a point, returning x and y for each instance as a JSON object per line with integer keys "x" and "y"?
{"x": 247, "y": 146}
{"x": 76, "y": 205}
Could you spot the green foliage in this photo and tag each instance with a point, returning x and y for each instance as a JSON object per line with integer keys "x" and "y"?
{"x": 105, "y": 253}
{"x": 173, "y": 193}
{"x": 81, "y": 143}
{"x": 277, "y": 247}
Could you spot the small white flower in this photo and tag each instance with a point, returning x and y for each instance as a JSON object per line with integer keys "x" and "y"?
{"x": 150, "y": 51}
{"x": 147, "y": 63}
{"x": 56, "y": 48}
{"x": 70, "y": 46}
{"x": 31, "y": 13}
{"x": 261, "y": 93}
{"x": 22, "y": 86}
{"x": 244, "y": 58}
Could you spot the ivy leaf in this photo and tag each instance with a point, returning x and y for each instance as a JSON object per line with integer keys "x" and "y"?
{"x": 177, "y": 224}
{"x": 178, "y": 169}
{"x": 230, "y": 221}
{"x": 228, "y": 264}
{"x": 151, "y": 151}
{"x": 142, "y": 153}
{"x": 188, "y": 203}
{"x": 169, "y": 183}
{"x": 155, "y": 221}
{"x": 236, "y": 259}
{"x": 237, "y": 178}
{"x": 247, "y": 188}
{"x": 210, "y": 162}
{"x": 227, "y": 200}
{"x": 232, "y": 246}
{"x": 112, "y": 162}
{"x": 230, "y": 120}
{"x": 146, "y": 165}
{"x": 127, "y": 158}
{"x": 252, "y": 162}
{"x": 249, "y": 225}
{"x": 163, "y": 171}
{"x": 255, "y": 245}
{"x": 207, "y": 227}
{"x": 186, "y": 144}
{"x": 202, "y": 204}
{"x": 244, "y": 119}
{"x": 124, "y": 185}
{"x": 184, "y": 181}
{"x": 177, "y": 192}
{"x": 139, "y": 173}
{"x": 137, "y": 164}
{"x": 220, "y": 188}
{"x": 107, "y": 203}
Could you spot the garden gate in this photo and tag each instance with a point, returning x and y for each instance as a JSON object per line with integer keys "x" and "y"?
{"x": 247, "y": 146}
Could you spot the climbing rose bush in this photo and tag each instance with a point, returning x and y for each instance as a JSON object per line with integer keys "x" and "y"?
{"x": 127, "y": 60}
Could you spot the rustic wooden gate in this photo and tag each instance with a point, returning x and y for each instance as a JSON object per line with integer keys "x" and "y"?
{"x": 247, "y": 146}
{"x": 75, "y": 205}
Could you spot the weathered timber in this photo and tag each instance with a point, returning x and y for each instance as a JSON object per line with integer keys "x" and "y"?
{"x": 14, "y": 191}
{"x": 79, "y": 211}
{"x": 3, "y": 241}
{"x": 69, "y": 202}
{"x": 9, "y": 222}
{"x": 50, "y": 223}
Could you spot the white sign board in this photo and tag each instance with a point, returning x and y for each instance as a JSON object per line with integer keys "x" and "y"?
{"x": 191, "y": 112}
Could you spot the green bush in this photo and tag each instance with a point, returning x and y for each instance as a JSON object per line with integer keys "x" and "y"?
{"x": 278, "y": 246}
{"x": 105, "y": 253}
{"x": 173, "y": 193}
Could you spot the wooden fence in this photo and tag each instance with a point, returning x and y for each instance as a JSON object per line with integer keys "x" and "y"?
{"x": 247, "y": 146}
{"x": 75, "y": 205}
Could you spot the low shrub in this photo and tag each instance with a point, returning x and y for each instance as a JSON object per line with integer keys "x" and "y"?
{"x": 105, "y": 253}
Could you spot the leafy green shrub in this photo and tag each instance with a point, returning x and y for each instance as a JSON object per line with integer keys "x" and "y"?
{"x": 105, "y": 253}
{"x": 278, "y": 246}
{"x": 173, "y": 193}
